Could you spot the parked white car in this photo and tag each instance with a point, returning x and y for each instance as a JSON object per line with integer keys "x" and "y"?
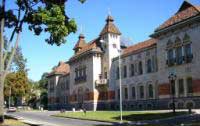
{"x": 12, "y": 109}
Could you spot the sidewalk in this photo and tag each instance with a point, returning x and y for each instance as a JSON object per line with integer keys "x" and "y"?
{"x": 170, "y": 121}
{"x": 30, "y": 122}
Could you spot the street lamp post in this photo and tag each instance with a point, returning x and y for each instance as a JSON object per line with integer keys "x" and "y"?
{"x": 120, "y": 82}
{"x": 120, "y": 87}
{"x": 172, "y": 78}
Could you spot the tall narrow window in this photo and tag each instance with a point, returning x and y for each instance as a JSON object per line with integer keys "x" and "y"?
{"x": 140, "y": 69}
{"x": 105, "y": 74}
{"x": 84, "y": 71}
{"x": 149, "y": 66}
{"x": 76, "y": 72}
{"x": 132, "y": 71}
{"x": 141, "y": 91}
{"x": 170, "y": 57}
{"x": 117, "y": 73}
{"x": 118, "y": 94}
{"x": 181, "y": 87}
{"x": 179, "y": 56}
{"x": 125, "y": 71}
{"x": 133, "y": 92}
{"x": 150, "y": 91}
{"x": 126, "y": 93}
{"x": 188, "y": 53}
{"x": 189, "y": 86}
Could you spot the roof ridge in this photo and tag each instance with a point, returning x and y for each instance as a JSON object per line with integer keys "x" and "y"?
{"x": 186, "y": 11}
{"x": 197, "y": 7}
{"x": 139, "y": 46}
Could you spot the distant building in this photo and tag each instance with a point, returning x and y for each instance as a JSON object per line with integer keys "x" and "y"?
{"x": 90, "y": 78}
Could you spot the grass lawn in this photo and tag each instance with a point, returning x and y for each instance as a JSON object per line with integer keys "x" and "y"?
{"x": 194, "y": 123}
{"x": 113, "y": 116}
{"x": 12, "y": 122}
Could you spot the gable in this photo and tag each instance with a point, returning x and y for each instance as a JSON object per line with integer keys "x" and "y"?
{"x": 185, "y": 12}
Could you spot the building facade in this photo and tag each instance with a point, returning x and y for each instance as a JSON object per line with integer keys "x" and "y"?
{"x": 90, "y": 78}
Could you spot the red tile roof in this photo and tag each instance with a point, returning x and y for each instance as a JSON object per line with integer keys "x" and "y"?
{"x": 61, "y": 68}
{"x": 139, "y": 46}
{"x": 81, "y": 42}
{"x": 197, "y": 7}
{"x": 89, "y": 46}
{"x": 110, "y": 27}
{"x": 185, "y": 12}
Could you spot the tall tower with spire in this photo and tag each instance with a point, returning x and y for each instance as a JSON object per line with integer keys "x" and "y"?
{"x": 110, "y": 36}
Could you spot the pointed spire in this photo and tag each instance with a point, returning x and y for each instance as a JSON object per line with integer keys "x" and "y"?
{"x": 109, "y": 19}
{"x": 80, "y": 44}
{"x": 110, "y": 27}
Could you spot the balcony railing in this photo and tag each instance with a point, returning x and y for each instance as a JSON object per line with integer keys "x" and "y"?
{"x": 80, "y": 79}
{"x": 180, "y": 60}
{"x": 101, "y": 82}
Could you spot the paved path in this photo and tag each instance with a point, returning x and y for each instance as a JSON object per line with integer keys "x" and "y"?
{"x": 47, "y": 120}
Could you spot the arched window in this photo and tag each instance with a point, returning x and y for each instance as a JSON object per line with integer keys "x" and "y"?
{"x": 141, "y": 89}
{"x": 177, "y": 40}
{"x": 187, "y": 48}
{"x": 132, "y": 70}
{"x": 186, "y": 38}
{"x": 169, "y": 43}
{"x": 125, "y": 71}
{"x": 150, "y": 91}
{"x": 133, "y": 92}
{"x": 140, "y": 69}
{"x": 179, "y": 55}
{"x": 149, "y": 66}
{"x": 189, "y": 85}
{"x": 117, "y": 73}
{"x": 170, "y": 57}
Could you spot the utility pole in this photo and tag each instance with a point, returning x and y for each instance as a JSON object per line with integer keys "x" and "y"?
{"x": 9, "y": 98}
{"x": 120, "y": 87}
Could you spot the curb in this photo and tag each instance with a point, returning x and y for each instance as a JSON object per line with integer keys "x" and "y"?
{"x": 87, "y": 119}
{"x": 29, "y": 122}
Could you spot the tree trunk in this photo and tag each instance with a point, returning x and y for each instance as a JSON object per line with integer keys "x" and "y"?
{"x": 2, "y": 65}
{"x": 1, "y": 99}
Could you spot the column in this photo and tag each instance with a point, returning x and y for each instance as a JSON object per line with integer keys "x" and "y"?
{"x": 129, "y": 92}
{"x": 176, "y": 89}
{"x": 185, "y": 87}
{"x": 145, "y": 91}
{"x": 136, "y": 92}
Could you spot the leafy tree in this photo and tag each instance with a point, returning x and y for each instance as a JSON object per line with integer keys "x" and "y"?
{"x": 43, "y": 81}
{"x": 16, "y": 83}
{"x": 47, "y": 16}
{"x": 34, "y": 94}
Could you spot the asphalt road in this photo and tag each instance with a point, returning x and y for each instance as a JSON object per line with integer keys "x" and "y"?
{"x": 46, "y": 119}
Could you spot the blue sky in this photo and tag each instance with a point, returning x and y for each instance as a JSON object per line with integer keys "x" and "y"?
{"x": 136, "y": 19}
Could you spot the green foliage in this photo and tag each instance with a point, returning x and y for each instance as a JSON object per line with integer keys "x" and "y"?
{"x": 41, "y": 16}
{"x": 18, "y": 82}
{"x": 43, "y": 81}
{"x": 19, "y": 62}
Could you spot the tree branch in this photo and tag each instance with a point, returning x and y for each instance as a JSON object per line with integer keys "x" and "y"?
{"x": 15, "y": 29}
{"x": 2, "y": 39}
{"x": 12, "y": 53}
{"x": 6, "y": 53}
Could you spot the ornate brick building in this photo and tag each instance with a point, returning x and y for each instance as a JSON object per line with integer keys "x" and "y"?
{"x": 90, "y": 78}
